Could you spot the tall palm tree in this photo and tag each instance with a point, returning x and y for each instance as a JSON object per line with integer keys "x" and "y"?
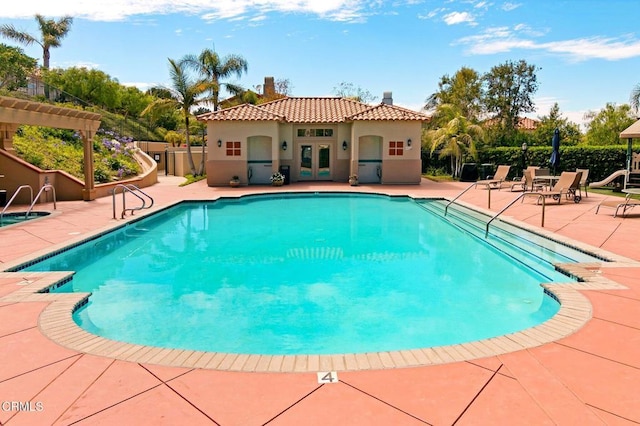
{"x": 186, "y": 93}
{"x": 455, "y": 139}
{"x": 51, "y": 31}
{"x": 214, "y": 69}
{"x": 635, "y": 98}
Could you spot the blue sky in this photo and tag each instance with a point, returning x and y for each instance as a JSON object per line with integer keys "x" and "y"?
{"x": 588, "y": 51}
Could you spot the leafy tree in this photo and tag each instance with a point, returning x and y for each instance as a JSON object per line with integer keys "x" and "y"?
{"x": 509, "y": 94}
{"x": 201, "y": 110}
{"x": 51, "y": 34}
{"x": 89, "y": 85}
{"x": 463, "y": 90}
{"x": 160, "y": 92}
{"x": 604, "y": 127}
{"x": 250, "y": 97}
{"x": 15, "y": 67}
{"x": 187, "y": 92}
{"x": 213, "y": 69}
{"x": 350, "y": 91}
{"x": 569, "y": 132}
{"x": 174, "y": 138}
{"x": 283, "y": 86}
{"x": 133, "y": 100}
{"x": 457, "y": 139}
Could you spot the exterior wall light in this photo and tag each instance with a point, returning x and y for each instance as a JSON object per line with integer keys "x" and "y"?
{"x": 344, "y": 145}
{"x": 219, "y": 143}
{"x": 284, "y": 145}
{"x": 408, "y": 142}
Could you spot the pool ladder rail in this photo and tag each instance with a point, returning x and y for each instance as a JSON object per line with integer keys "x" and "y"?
{"x": 136, "y": 192}
{"x": 541, "y": 200}
{"x": 32, "y": 201}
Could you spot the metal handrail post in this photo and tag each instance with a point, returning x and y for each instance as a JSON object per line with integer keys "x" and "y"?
{"x": 458, "y": 196}
{"x": 540, "y": 197}
{"x": 15, "y": 194}
{"x": 44, "y": 188}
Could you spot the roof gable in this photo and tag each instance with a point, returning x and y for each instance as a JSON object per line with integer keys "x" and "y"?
{"x": 385, "y": 112}
{"x": 632, "y": 131}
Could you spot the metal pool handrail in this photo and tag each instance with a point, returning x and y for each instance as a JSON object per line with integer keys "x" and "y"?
{"x": 20, "y": 188}
{"x": 524, "y": 194}
{"x": 458, "y": 196}
{"x": 34, "y": 200}
{"x": 134, "y": 190}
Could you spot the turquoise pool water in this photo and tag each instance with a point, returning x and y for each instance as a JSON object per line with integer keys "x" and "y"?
{"x": 309, "y": 274}
{"x": 19, "y": 217}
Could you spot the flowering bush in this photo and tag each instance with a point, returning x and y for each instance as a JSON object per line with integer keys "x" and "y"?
{"x": 277, "y": 177}
{"x": 54, "y": 149}
{"x": 114, "y": 156}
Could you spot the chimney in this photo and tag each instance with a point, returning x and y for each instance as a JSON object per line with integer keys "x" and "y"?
{"x": 386, "y": 98}
{"x": 269, "y": 89}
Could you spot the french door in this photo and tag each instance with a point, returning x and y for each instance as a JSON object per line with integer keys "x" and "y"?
{"x": 314, "y": 161}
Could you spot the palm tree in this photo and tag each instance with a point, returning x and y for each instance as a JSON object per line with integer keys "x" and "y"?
{"x": 214, "y": 69}
{"x": 52, "y": 32}
{"x": 456, "y": 139}
{"x": 186, "y": 93}
{"x": 635, "y": 98}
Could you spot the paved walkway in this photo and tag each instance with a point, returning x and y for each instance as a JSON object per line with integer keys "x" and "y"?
{"x": 589, "y": 377}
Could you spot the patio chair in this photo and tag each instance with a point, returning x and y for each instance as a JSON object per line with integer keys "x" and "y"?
{"x": 574, "y": 190}
{"x": 566, "y": 186}
{"x": 627, "y": 204}
{"x": 583, "y": 181}
{"x": 541, "y": 172}
{"x": 497, "y": 179}
{"x": 522, "y": 182}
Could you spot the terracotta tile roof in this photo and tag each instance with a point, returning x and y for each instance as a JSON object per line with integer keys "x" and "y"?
{"x": 244, "y": 112}
{"x": 384, "y": 112}
{"x": 527, "y": 123}
{"x": 313, "y": 110}
{"x": 524, "y": 123}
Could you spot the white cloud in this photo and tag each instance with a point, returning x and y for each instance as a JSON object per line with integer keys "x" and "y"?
{"x": 508, "y": 6}
{"x": 118, "y": 10}
{"x": 454, "y": 18}
{"x": 505, "y": 39}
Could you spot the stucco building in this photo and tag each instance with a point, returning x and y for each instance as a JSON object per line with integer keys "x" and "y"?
{"x": 314, "y": 139}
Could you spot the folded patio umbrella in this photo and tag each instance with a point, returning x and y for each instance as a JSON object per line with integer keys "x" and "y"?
{"x": 554, "y": 161}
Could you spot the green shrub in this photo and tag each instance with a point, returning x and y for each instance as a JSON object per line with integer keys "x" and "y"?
{"x": 49, "y": 149}
{"x": 601, "y": 161}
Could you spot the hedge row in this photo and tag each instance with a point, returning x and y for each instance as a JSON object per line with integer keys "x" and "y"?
{"x": 601, "y": 161}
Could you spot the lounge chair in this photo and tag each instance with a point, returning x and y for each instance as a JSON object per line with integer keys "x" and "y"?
{"x": 497, "y": 179}
{"x": 568, "y": 186}
{"x": 626, "y": 204}
{"x": 583, "y": 181}
{"x": 522, "y": 183}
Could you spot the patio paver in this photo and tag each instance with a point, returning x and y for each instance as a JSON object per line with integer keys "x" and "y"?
{"x": 588, "y": 377}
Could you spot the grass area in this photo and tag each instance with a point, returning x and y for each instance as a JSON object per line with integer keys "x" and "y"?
{"x": 610, "y": 192}
{"x": 128, "y": 127}
{"x": 192, "y": 179}
{"x": 439, "y": 178}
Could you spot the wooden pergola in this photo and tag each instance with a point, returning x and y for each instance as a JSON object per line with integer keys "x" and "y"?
{"x": 630, "y": 133}
{"x": 14, "y": 112}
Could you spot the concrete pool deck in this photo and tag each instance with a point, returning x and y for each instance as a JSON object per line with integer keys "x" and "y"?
{"x": 587, "y": 377}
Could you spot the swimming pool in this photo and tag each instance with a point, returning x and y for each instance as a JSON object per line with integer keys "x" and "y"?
{"x": 13, "y": 218}
{"x": 284, "y": 275}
